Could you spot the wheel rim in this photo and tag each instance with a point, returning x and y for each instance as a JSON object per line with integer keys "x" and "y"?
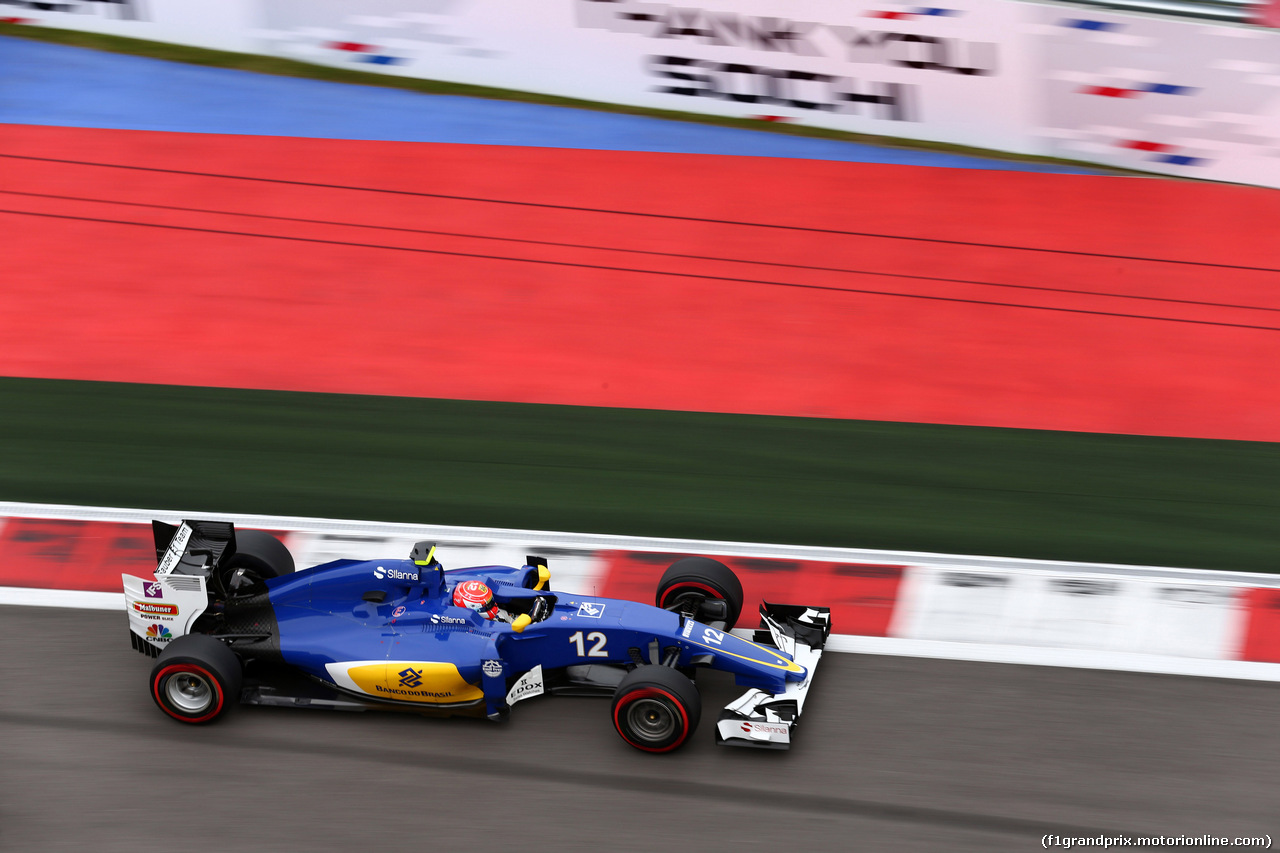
{"x": 686, "y": 597}
{"x": 251, "y": 582}
{"x": 189, "y": 692}
{"x": 689, "y": 589}
{"x": 651, "y": 720}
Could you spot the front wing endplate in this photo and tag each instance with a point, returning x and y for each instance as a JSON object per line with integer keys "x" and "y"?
{"x": 768, "y": 720}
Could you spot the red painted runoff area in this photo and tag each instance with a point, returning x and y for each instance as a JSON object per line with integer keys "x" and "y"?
{"x": 48, "y": 553}
{"x": 53, "y": 553}
{"x": 861, "y": 596}
{"x": 1262, "y": 635}
{"x": 631, "y": 279}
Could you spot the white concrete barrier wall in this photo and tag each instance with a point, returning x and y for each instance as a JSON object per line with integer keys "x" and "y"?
{"x": 1141, "y": 92}
{"x": 1136, "y": 618}
{"x": 1070, "y": 610}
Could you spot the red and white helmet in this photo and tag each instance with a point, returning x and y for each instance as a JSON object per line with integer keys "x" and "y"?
{"x": 476, "y": 596}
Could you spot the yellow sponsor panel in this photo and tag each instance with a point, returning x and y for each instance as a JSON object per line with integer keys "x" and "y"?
{"x": 415, "y": 681}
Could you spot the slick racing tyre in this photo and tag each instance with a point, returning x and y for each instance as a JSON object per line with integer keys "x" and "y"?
{"x": 656, "y": 708}
{"x": 258, "y": 556}
{"x": 701, "y": 578}
{"x": 196, "y": 679}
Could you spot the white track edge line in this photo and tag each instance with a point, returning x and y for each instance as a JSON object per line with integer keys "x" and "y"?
{"x": 75, "y": 599}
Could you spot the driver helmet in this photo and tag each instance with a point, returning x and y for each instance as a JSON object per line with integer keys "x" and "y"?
{"x": 475, "y": 595}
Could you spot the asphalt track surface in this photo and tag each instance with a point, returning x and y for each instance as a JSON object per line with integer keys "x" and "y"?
{"x": 896, "y": 753}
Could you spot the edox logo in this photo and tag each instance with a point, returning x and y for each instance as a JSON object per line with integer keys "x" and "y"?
{"x": 410, "y": 677}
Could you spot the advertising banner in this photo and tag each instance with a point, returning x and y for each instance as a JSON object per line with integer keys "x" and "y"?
{"x": 221, "y": 25}
{"x": 1072, "y": 610}
{"x": 1178, "y": 97}
{"x": 1181, "y": 98}
{"x": 955, "y": 73}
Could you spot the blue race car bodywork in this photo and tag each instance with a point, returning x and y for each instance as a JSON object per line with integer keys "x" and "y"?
{"x": 357, "y": 634}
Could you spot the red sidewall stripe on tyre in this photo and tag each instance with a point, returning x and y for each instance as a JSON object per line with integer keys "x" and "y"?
{"x": 170, "y": 671}
{"x": 643, "y": 693}
{"x": 680, "y": 585}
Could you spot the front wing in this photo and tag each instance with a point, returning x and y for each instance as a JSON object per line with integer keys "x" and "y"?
{"x": 767, "y": 720}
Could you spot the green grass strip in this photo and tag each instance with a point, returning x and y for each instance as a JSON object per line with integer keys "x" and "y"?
{"x": 1027, "y": 493}
{"x": 290, "y": 68}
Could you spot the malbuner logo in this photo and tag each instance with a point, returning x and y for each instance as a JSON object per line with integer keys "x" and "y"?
{"x": 155, "y": 608}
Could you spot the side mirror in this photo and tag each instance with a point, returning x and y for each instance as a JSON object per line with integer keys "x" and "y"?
{"x": 544, "y": 574}
{"x": 424, "y": 554}
{"x": 521, "y": 622}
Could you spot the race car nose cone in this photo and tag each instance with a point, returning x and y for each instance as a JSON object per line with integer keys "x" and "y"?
{"x": 800, "y": 673}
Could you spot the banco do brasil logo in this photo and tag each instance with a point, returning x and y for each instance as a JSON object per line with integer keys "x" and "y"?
{"x": 411, "y": 678}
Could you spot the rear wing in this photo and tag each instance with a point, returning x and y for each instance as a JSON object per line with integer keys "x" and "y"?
{"x": 193, "y": 547}
{"x": 767, "y": 720}
{"x": 165, "y": 608}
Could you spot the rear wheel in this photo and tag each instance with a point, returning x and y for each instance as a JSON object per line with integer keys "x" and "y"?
{"x": 258, "y": 556}
{"x": 196, "y": 679}
{"x": 693, "y": 580}
{"x": 655, "y": 708}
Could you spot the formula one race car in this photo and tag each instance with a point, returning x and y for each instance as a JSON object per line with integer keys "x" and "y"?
{"x": 229, "y": 620}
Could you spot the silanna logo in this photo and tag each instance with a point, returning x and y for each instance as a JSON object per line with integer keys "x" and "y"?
{"x": 152, "y": 608}
{"x": 159, "y": 634}
{"x": 411, "y": 678}
{"x": 394, "y": 574}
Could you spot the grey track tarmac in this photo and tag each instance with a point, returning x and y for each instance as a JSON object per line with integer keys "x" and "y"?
{"x": 895, "y": 754}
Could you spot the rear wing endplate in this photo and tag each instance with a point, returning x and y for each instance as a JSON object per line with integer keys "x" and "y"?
{"x": 192, "y": 547}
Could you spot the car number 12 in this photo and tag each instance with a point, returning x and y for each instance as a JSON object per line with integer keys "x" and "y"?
{"x": 596, "y": 651}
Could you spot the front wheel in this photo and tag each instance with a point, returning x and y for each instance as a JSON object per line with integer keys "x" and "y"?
{"x": 698, "y": 579}
{"x": 196, "y": 679}
{"x": 655, "y": 708}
